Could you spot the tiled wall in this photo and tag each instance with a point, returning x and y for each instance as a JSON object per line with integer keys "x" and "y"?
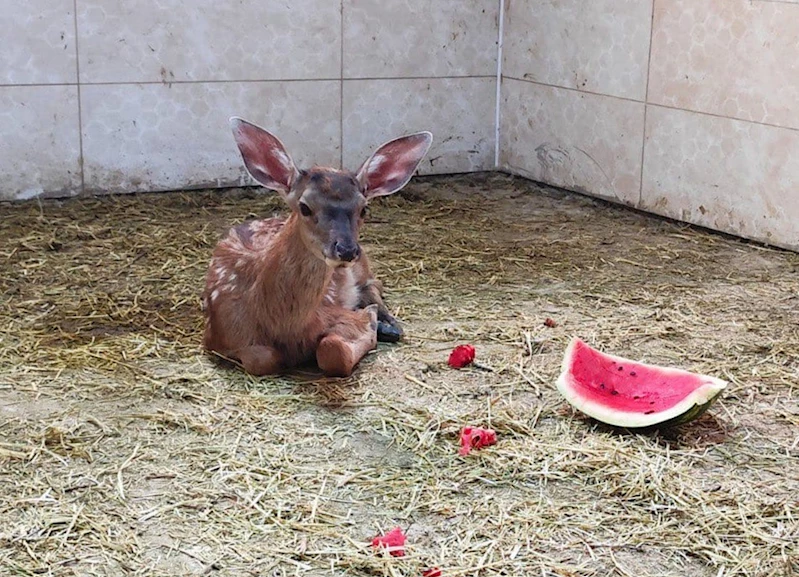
{"x": 685, "y": 108}
{"x": 105, "y": 96}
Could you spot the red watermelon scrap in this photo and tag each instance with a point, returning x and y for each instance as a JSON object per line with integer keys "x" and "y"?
{"x": 476, "y": 438}
{"x": 461, "y": 356}
{"x": 393, "y": 542}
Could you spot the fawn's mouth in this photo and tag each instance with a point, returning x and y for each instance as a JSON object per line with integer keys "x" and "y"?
{"x": 334, "y": 263}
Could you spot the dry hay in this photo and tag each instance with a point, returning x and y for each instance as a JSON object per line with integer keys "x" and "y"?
{"x": 124, "y": 451}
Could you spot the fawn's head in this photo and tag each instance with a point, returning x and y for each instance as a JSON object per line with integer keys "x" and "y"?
{"x": 330, "y": 204}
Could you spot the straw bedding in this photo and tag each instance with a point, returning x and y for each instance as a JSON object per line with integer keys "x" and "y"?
{"x": 125, "y": 451}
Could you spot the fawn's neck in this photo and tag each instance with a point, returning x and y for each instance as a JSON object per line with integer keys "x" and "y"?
{"x": 297, "y": 280}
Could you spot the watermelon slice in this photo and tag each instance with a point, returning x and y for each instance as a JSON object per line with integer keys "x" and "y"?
{"x": 624, "y": 393}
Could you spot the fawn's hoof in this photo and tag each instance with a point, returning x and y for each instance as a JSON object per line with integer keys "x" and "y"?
{"x": 388, "y": 333}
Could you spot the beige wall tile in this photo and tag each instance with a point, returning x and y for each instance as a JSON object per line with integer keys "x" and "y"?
{"x": 157, "y": 137}
{"x": 38, "y": 42}
{"x": 40, "y": 147}
{"x": 577, "y": 141}
{"x": 734, "y": 58}
{"x": 458, "y": 111}
{"x": 598, "y": 46}
{"x": 168, "y": 40}
{"x": 398, "y": 38}
{"x": 725, "y": 174}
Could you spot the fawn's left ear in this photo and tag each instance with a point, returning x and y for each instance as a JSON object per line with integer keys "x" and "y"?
{"x": 264, "y": 156}
{"x": 392, "y": 165}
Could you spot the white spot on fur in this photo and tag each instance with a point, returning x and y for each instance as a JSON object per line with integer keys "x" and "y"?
{"x": 239, "y": 263}
{"x": 214, "y": 295}
{"x": 231, "y": 277}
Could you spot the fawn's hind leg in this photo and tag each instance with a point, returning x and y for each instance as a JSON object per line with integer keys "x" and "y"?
{"x": 260, "y": 360}
{"x": 350, "y": 337}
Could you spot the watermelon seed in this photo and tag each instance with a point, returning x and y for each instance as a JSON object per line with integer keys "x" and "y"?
{"x": 632, "y": 373}
{"x": 649, "y": 412}
{"x": 614, "y": 393}
{"x": 636, "y": 397}
{"x": 602, "y": 386}
{"x": 651, "y": 402}
{"x": 621, "y": 368}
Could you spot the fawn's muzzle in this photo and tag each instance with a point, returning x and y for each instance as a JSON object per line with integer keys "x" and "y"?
{"x": 346, "y": 251}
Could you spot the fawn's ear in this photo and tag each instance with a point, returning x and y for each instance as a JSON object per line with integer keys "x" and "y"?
{"x": 392, "y": 165}
{"x": 264, "y": 156}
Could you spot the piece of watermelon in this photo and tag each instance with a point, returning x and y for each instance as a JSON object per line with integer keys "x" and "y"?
{"x": 624, "y": 393}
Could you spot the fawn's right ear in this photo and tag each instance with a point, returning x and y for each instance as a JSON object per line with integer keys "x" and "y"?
{"x": 264, "y": 156}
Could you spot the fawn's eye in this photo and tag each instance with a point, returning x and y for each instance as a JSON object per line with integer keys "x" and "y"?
{"x": 305, "y": 209}
{"x": 364, "y": 212}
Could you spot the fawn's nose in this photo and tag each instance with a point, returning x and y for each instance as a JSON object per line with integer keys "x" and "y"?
{"x": 347, "y": 252}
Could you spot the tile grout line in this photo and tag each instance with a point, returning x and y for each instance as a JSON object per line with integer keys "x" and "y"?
{"x": 646, "y": 104}
{"x": 80, "y": 103}
{"x": 721, "y": 117}
{"x": 500, "y": 37}
{"x": 341, "y": 91}
{"x": 657, "y": 105}
{"x": 242, "y": 81}
{"x": 572, "y": 89}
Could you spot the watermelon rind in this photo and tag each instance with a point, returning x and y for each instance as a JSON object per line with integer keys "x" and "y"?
{"x": 691, "y": 407}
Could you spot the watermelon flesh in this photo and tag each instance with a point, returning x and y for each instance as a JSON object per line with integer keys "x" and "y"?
{"x": 625, "y": 393}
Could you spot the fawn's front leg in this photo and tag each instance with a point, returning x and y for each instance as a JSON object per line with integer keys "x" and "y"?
{"x": 352, "y": 334}
{"x": 371, "y": 293}
{"x": 388, "y": 328}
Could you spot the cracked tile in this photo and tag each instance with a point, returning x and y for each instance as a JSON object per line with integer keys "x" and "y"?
{"x": 582, "y": 142}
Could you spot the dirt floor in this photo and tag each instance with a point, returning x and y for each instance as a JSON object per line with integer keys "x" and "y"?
{"x": 125, "y": 451}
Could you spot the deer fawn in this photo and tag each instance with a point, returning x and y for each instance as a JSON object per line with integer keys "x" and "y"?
{"x": 279, "y": 291}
